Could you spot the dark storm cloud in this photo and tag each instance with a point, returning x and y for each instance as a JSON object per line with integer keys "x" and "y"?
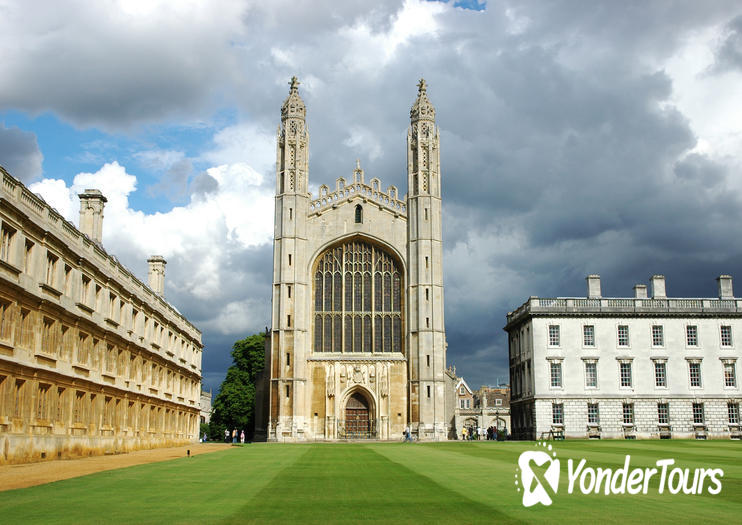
{"x": 20, "y": 154}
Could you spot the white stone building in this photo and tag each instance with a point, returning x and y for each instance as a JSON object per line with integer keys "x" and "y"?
{"x": 640, "y": 367}
{"x": 357, "y": 340}
{"x": 92, "y": 360}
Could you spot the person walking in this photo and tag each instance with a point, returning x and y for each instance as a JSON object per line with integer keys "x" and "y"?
{"x": 234, "y": 435}
{"x": 242, "y": 436}
{"x": 407, "y": 434}
{"x": 226, "y": 435}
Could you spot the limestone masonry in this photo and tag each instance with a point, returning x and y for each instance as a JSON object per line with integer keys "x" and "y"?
{"x": 357, "y": 339}
{"x": 92, "y": 361}
{"x": 640, "y": 367}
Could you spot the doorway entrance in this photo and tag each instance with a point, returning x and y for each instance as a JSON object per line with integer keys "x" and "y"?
{"x": 358, "y": 422}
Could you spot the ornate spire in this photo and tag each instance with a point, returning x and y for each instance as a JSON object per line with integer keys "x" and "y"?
{"x": 293, "y": 106}
{"x": 422, "y": 109}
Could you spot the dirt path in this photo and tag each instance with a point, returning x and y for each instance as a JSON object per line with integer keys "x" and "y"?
{"x": 30, "y": 474}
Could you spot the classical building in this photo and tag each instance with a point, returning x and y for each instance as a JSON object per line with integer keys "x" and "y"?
{"x": 357, "y": 346}
{"x": 92, "y": 360}
{"x": 640, "y": 367}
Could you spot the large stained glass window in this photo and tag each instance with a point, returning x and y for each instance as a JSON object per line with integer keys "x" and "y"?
{"x": 357, "y": 300}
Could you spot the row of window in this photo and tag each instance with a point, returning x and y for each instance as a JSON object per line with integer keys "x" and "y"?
{"x": 626, "y": 379}
{"x": 66, "y": 343}
{"x": 466, "y": 403}
{"x": 93, "y": 296}
{"x": 51, "y": 403}
{"x": 657, "y": 335}
{"x": 663, "y": 413}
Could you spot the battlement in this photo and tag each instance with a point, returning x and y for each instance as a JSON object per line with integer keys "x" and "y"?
{"x": 344, "y": 191}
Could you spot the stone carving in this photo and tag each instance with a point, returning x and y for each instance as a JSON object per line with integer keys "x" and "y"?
{"x": 331, "y": 380}
{"x": 342, "y": 374}
{"x": 358, "y": 375}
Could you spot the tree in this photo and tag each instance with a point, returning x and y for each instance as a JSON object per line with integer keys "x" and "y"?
{"x": 234, "y": 406}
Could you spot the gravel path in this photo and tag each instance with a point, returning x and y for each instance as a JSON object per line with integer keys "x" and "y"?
{"x": 30, "y": 474}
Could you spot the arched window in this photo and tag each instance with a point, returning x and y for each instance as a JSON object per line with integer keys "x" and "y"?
{"x": 359, "y": 213}
{"x": 357, "y": 300}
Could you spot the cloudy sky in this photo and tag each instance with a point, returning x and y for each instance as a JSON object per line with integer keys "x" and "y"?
{"x": 576, "y": 138}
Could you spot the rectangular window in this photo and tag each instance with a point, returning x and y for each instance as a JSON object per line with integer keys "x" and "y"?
{"x": 468, "y": 403}
{"x": 556, "y": 374}
{"x": 593, "y": 414}
{"x": 733, "y": 410}
{"x": 51, "y": 268}
{"x": 663, "y": 413}
{"x": 42, "y": 402}
{"x": 698, "y": 416}
{"x": 660, "y": 374}
{"x": 461, "y": 403}
{"x": 658, "y": 336}
{"x": 289, "y": 291}
{"x": 588, "y": 335}
{"x": 428, "y": 391}
{"x": 628, "y": 413}
{"x": 6, "y": 242}
{"x": 623, "y": 335}
{"x": 427, "y": 360}
{"x": 6, "y": 322}
{"x": 112, "y": 306}
{"x": 591, "y": 374}
{"x": 553, "y": 335}
{"x": 78, "y": 407}
{"x": 28, "y": 257}
{"x": 691, "y": 335}
{"x": 694, "y": 369}
{"x": 557, "y": 413}
{"x": 61, "y": 407}
{"x": 19, "y": 398}
{"x": 49, "y": 337}
{"x": 461, "y": 390}
{"x": 85, "y": 289}
{"x": 27, "y": 335}
{"x": 626, "y": 380}
{"x": 730, "y": 375}
{"x": 726, "y": 335}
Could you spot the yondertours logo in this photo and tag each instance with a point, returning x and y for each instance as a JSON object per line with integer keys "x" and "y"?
{"x": 537, "y": 477}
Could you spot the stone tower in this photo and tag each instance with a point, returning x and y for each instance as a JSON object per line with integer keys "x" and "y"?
{"x": 289, "y": 262}
{"x": 426, "y": 329}
{"x": 357, "y": 344}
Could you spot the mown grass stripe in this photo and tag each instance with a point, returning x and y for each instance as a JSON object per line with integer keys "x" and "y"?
{"x": 354, "y": 483}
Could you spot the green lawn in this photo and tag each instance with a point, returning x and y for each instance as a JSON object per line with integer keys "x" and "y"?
{"x": 386, "y": 483}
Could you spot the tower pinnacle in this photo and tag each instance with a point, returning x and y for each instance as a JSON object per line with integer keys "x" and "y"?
{"x": 422, "y": 109}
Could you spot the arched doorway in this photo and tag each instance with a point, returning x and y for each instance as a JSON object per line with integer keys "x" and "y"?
{"x": 359, "y": 422}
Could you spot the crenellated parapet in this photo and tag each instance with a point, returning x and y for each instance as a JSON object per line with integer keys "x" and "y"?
{"x": 346, "y": 191}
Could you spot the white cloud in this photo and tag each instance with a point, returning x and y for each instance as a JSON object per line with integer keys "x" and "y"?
{"x": 199, "y": 240}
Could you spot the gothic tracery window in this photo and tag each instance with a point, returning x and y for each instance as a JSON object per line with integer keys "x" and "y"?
{"x": 357, "y": 300}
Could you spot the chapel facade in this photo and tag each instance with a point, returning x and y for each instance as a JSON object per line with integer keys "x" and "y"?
{"x": 357, "y": 345}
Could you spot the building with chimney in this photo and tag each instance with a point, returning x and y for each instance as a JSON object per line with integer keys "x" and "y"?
{"x": 636, "y": 367}
{"x": 357, "y": 340}
{"x": 92, "y": 360}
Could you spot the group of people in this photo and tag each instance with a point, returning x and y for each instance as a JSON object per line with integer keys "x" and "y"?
{"x": 235, "y": 436}
{"x": 471, "y": 433}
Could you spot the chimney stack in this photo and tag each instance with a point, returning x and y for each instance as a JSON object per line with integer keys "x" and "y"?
{"x": 658, "y": 287}
{"x": 640, "y": 291}
{"x": 91, "y": 214}
{"x": 725, "y": 287}
{"x": 593, "y": 286}
{"x": 157, "y": 274}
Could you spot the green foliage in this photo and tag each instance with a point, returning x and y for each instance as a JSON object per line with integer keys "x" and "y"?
{"x": 234, "y": 406}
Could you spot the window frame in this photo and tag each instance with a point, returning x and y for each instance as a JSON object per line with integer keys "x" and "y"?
{"x": 658, "y": 336}
{"x": 554, "y": 334}
{"x": 588, "y": 335}
{"x": 691, "y": 340}
{"x": 627, "y": 335}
